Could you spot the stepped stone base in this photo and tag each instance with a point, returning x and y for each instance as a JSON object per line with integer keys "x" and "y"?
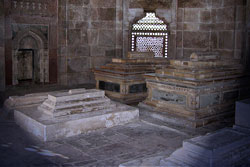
{"x": 69, "y": 113}
{"x": 47, "y": 128}
{"x": 226, "y": 147}
{"x": 27, "y": 100}
{"x": 176, "y": 120}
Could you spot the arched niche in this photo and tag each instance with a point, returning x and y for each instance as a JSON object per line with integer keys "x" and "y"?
{"x": 30, "y": 49}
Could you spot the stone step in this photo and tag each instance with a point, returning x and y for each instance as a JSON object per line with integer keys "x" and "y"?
{"x": 68, "y": 104}
{"x": 90, "y": 101}
{"x": 98, "y": 107}
{"x": 218, "y": 143}
{"x": 79, "y": 108}
{"x": 222, "y": 148}
{"x": 66, "y": 96}
{"x": 189, "y": 157}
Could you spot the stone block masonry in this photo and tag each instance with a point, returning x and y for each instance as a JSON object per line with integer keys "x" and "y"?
{"x": 89, "y": 37}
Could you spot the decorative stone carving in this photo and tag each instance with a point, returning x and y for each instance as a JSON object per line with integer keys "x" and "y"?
{"x": 31, "y": 39}
{"x": 123, "y": 79}
{"x": 196, "y": 92}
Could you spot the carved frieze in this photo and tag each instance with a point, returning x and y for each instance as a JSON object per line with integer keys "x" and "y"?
{"x": 44, "y": 8}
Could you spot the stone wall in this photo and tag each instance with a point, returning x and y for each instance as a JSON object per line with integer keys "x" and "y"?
{"x": 214, "y": 25}
{"x": 248, "y": 34}
{"x": 87, "y": 33}
{"x": 89, "y": 36}
{"x": 31, "y": 20}
{"x": 2, "y": 59}
{"x": 133, "y": 10}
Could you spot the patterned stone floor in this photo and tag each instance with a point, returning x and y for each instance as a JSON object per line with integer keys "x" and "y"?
{"x": 107, "y": 147}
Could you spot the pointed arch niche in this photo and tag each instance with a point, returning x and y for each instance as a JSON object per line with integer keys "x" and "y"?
{"x": 150, "y": 34}
{"x": 30, "y": 56}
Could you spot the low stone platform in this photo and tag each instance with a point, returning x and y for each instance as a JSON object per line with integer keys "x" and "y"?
{"x": 69, "y": 113}
{"x": 226, "y": 147}
{"x": 14, "y": 102}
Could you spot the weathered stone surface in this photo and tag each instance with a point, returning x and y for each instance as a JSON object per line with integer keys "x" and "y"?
{"x": 74, "y": 39}
{"x": 195, "y": 39}
{"x": 192, "y": 3}
{"x": 150, "y": 5}
{"x": 226, "y": 147}
{"x": 103, "y": 4}
{"x": 180, "y": 15}
{"x": 74, "y": 102}
{"x": 223, "y": 148}
{"x": 106, "y": 38}
{"x": 138, "y": 55}
{"x": 226, "y": 39}
{"x": 225, "y": 14}
{"x": 79, "y": 78}
{"x": 14, "y": 102}
{"x": 191, "y": 15}
{"x": 216, "y": 3}
{"x": 179, "y": 40}
{"x": 201, "y": 56}
{"x": 242, "y": 113}
{"x": 94, "y": 111}
{"x": 197, "y": 92}
{"x": 205, "y": 16}
{"x": 78, "y": 64}
{"x": 169, "y": 97}
{"x": 107, "y": 14}
{"x": 123, "y": 78}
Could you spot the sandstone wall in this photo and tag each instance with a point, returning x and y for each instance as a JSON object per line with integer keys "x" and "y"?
{"x": 87, "y": 33}
{"x": 217, "y": 25}
{"x": 248, "y": 34}
{"x": 89, "y": 36}
{"x": 2, "y": 59}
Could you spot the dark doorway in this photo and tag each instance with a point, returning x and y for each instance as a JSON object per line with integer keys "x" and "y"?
{"x": 25, "y": 66}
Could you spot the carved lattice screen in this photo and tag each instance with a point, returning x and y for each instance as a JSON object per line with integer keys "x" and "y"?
{"x": 150, "y": 34}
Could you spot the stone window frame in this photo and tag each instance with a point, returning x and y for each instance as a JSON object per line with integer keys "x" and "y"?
{"x": 150, "y": 33}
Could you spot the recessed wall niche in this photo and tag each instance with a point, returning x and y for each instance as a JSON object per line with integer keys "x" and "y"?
{"x": 30, "y": 54}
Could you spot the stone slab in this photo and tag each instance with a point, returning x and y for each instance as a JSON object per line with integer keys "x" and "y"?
{"x": 242, "y": 114}
{"x": 204, "y": 56}
{"x": 46, "y": 128}
{"x": 216, "y": 144}
{"x": 66, "y": 96}
{"x": 23, "y": 101}
{"x": 226, "y": 147}
{"x": 152, "y": 161}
